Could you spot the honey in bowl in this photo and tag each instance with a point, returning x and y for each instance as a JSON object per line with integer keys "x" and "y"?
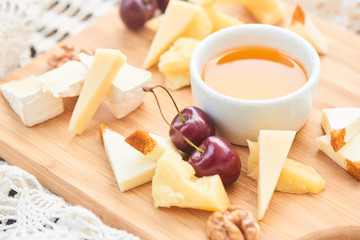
{"x": 254, "y": 73}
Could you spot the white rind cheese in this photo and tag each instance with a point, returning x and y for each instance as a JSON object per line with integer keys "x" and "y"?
{"x": 65, "y": 81}
{"x": 126, "y": 94}
{"x": 29, "y": 101}
{"x": 131, "y": 168}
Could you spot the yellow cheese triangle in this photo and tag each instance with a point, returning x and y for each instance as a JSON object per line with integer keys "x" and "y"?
{"x": 273, "y": 150}
{"x": 176, "y": 20}
{"x": 304, "y": 26}
{"x": 103, "y": 70}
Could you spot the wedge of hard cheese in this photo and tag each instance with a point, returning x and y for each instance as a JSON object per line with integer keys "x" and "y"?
{"x": 102, "y": 73}
{"x": 341, "y": 125}
{"x": 131, "y": 168}
{"x": 151, "y": 145}
{"x": 28, "y": 101}
{"x": 274, "y": 146}
{"x": 302, "y": 25}
{"x": 177, "y": 18}
{"x": 348, "y": 157}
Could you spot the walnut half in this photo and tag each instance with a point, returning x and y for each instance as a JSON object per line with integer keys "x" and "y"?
{"x": 234, "y": 224}
{"x": 67, "y": 52}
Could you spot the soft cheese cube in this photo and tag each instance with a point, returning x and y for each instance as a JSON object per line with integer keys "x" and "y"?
{"x": 126, "y": 94}
{"x": 175, "y": 63}
{"x": 29, "y": 101}
{"x": 66, "y": 80}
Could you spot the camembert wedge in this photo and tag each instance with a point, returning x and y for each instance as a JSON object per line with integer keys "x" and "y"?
{"x": 341, "y": 125}
{"x": 274, "y": 146}
{"x": 151, "y": 145}
{"x": 175, "y": 184}
{"x": 102, "y": 73}
{"x": 28, "y": 101}
{"x": 131, "y": 168}
{"x": 348, "y": 157}
{"x": 177, "y": 18}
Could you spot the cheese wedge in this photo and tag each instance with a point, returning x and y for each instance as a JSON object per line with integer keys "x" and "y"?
{"x": 155, "y": 22}
{"x": 348, "y": 157}
{"x": 65, "y": 81}
{"x": 341, "y": 124}
{"x": 177, "y": 18}
{"x": 28, "y": 101}
{"x": 151, "y": 145}
{"x": 274, "y": 147}
{"x": 131, "y": 168}
{"x": 295, "y": 177}
{"x": 175, "y": 184}
{"x": 220, "y": 19}
{"x": 265, "y": 11}
{"x": 126, "y": 94}
{"x": 102, "y": 73}
{"x": 303, "y": 25}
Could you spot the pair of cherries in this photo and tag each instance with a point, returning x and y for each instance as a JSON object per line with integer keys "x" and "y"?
{"x": 193, "y": 132}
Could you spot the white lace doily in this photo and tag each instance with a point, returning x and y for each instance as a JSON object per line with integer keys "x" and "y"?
{"x": 30, "y": 27}
{"x": 27, "y": 211}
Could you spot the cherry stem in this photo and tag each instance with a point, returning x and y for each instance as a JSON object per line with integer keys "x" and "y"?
{"x": 151, "y": 89}
{"x": 172, "y": 99}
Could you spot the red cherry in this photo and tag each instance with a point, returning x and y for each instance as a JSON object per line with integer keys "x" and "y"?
{"x": 219, "y": 157}
{"x": 194, "y": 124}
{"x": 135, "y": 13}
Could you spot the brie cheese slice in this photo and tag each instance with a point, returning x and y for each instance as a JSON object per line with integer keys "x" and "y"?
{"x": 29, "y": 101}
{"x": 65, "y": 81}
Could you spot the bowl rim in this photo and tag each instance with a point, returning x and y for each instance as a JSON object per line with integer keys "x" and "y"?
{"x": 196, "y": 78}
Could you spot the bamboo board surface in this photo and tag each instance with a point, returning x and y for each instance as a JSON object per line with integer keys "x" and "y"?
{"x": 76, "y": 167}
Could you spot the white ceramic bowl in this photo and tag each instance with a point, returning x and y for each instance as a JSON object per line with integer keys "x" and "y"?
{"x": 237, "y": 119}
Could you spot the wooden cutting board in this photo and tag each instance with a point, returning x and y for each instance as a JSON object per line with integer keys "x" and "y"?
{"x": 76, "y": 167}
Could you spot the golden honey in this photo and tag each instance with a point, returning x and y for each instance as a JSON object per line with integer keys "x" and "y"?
{"x": 254, "y": 73}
